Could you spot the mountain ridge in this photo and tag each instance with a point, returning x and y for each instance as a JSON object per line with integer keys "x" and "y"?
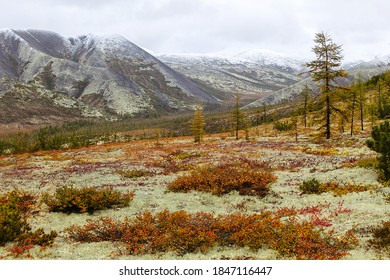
{"x": 109, "y": 73}
{"x": 107, "y": 76}
{"x": 245, "y": 73}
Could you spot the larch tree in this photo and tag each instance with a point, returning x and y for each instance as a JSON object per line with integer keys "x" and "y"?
{"x": 305, "y": 94}
{"x": 324, "y": 70}
{"x": 361, "y": 91}
{"x": 237, "y": 117}
{"x": 198, "y": 124}
{"x": 264, "y": 105}
{"x": 353, "y": 99}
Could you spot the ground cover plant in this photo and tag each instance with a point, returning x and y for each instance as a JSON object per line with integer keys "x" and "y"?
{"x": 182, "y": 233}
{"x": 381, "y": 238}
{"x": 69, "y": 199}
{"x": 224, "y": 178}
{"x": 313, "y": 186}
{"x": 283, "y": 126}
{"x": 386, "y": 197}
{"x": 16, "y": 207}
{"x": 134, "y": 173}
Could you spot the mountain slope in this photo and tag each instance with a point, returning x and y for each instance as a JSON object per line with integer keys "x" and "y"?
{"x": 383, "y": 61}
{"x": 249, "y": 73}
{"x": 362, "y": 70}
{"x": 108, "y": 73}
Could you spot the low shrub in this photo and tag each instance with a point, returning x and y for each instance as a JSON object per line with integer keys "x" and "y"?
{"x": 180, "y": 155}
{"x": 225, "y": 178}
{"x": 386, "y": 197}
{"x": 69, "y": 199}
{"x": 169, "y": 164}
{"x": 325, "y": 151}
{"x": 381, "y": 238}
{"x": 24, "y": 201}
{"x": 134, "y": 173}
{"x": 283, "y": 126}
{"x": 12, "y": 224}
{"x": 15, "y": 208}
{"x": 183, "y": 233}
{"x": 342, "y": 189}
{"x": 311, "y": 186}
{"x": 371, "y": 162}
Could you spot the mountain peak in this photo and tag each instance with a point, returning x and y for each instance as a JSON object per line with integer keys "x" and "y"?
{"x": 260, "y": 57}
{"x": 107, "y": 72}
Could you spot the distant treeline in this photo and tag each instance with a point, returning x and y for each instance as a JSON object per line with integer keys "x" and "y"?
{"x": 83, "y": 133}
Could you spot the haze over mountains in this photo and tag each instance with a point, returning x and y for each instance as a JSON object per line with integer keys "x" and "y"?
{"x": 63, "y": 78}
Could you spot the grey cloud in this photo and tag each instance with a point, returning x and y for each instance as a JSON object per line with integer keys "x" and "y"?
{"x": 212, "y": 25}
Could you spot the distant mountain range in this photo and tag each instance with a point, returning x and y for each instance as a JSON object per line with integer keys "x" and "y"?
{"x": 48, "y": 77}
{"x": 271, "y": 76}
{"x": 255, "y": 72}
{"x": 363, "y": 70}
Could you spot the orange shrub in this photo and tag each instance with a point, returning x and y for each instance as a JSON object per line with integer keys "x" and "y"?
{"x": 25, "y": 201}
{"x": 313, "y": 186}
{"x": 69, "y": 199}
{"x": 183, "y": 233}
{"x": 342, "y": 189}
{"x": 223, "y": 179}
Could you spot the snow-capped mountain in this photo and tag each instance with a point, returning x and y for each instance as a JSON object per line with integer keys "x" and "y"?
{"x": 108, "y": 73}
{"x": 355, "y": 70}
{"x": 56, "y": 76}
{"x": 258, "y": 57}
{"x": 250, "y": 73}
{"x": 271, "y": 58}
{"x": 382, "y": 61}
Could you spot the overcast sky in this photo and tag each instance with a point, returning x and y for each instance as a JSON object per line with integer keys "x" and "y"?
{"x": 289, "y": 26}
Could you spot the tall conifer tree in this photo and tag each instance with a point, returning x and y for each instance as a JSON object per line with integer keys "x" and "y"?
{"x": 237, "y": 117}
{"x": 324, "y": 70}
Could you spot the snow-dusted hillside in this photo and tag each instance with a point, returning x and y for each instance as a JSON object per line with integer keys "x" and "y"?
{"x": 112, "y": 76}
{"x": 258, "y": 57}
{"x": 107, "y": 72}
{"x": 382, "y": 61}
{"x": 250, "y": 72}
{"x": 355, "y": 70}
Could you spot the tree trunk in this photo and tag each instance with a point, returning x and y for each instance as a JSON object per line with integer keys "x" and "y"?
{"x": 327, "y": 116}
{"x": 353, "y": 111}
{"x": 305, "y": 112}
{"x": 361, "y": 116}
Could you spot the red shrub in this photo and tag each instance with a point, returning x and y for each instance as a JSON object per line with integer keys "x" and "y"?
{"x": 223, "y": 179}
{"x": 184, "y": 233}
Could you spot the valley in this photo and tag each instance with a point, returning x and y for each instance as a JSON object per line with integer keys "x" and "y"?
{"x": 98, "y": 113}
